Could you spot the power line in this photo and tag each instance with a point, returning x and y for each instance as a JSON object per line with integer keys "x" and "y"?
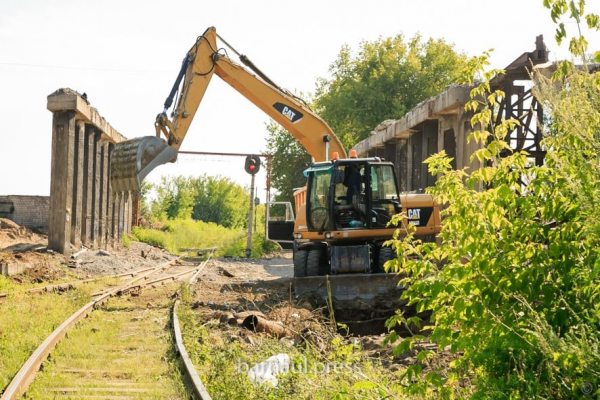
{"x": 82, "y": 68}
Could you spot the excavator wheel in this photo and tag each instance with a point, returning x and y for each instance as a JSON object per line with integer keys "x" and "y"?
{"x": 385, "y": 254}
{"x": 300, "y": 263}
{"x": 313, "y": 262}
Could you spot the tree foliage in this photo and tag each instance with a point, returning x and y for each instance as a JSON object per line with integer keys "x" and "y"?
{"x": 206, "y": 198}
{"x": 289, "y": 160}
{"x": 221, "y": 201}
{"x": 514, "y": 287}
{"x": 386, "y": 79}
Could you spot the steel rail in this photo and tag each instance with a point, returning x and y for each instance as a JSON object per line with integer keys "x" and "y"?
{"x": 70, "y": 285}
{"x": 199, "y": 390}
{"x": 147, "y": 275}
{"x": 159, "y": 280}
{"x": 26, "y": 374}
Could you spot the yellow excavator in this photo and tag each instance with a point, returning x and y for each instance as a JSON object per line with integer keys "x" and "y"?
{"x": 344, "y": 211}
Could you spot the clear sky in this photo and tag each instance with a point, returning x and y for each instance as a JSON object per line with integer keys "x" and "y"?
{"x": 125, "y": 54}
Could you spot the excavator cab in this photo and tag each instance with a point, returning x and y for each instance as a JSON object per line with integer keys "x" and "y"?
{"x": 351, "y": 194}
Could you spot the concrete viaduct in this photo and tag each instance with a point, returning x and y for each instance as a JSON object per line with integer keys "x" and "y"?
{"x": 83, "y": 210}
{"x": 440, "y": 123}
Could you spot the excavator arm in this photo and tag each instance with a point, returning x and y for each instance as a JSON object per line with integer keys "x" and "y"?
{"x": 133, "y": 159}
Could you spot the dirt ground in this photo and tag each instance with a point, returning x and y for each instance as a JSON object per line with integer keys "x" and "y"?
{"x": 230, "y": 289}
{"x": 227, "y": 291}
{"x": 20, "y": 245}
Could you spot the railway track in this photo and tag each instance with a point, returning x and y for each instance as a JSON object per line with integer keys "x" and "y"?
{"x": 123, "y": 349}
{"x": 61, "y": 287}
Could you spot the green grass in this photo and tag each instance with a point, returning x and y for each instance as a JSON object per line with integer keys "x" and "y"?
{"x": 124, "y": 348}
{"x": 126, "y": 241}
{"x": 26, "y": 320}
{"x": 22, "y": 328}
{"x": 180, "y": 234}
{"x": 260, "y": 247}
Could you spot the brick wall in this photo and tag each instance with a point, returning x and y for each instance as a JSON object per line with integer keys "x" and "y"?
{"x": 29, "y": 211}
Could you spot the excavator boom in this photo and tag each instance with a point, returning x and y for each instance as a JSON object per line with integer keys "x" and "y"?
{"x": 133, "y": 159}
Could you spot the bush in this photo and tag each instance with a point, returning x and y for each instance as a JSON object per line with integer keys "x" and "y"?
{"x": 260, "y": 247}
{"x": 186, "y": 233}
{"x": 518, "y": 295}
{"x": 153, "y": 237}
{"x": 126, "y": 241}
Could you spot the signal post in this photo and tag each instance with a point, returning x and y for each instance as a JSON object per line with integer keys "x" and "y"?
{"x": 252, "y": 166}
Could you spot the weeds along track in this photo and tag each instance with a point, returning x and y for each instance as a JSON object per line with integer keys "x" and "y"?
{"x": 123, "y": 349}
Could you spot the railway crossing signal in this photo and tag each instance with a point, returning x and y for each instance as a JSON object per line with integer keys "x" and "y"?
{"x": 252, "y": 165}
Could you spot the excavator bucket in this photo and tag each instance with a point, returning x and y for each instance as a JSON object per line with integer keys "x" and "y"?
{"x": 133, "y": 159}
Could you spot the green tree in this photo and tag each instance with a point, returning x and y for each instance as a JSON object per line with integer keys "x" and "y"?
{"x": 145, "y": 211}
{"x": 289, "y": 160}
{"x": 219, "y": 200}
{"x": 175, "y": 198}
{"x": 205, "y": 198}
{"x": 386, "y": 79}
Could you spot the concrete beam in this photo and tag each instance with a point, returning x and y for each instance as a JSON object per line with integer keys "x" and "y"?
{"x": 14, "y": 269}
{"x": 449, "y": 102}
{"x": 68, "y": 99}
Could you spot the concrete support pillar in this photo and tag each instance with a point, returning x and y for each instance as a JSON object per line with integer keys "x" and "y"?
{"x": 430, "y": 147}
{"x": 416, "y": 144}
{"x": 104, "y": 194}
{"x": 88, "y": 185}
{"x": 390, "y": 151}
{"x": 114, "y": 219}
{"x": 96, "y": 191}
{"x": 127, "y": 214}
{"x": 109, "y": 206}
{"x": 402, "y": 164}
{"x": 121, "y": 218}
{"x": 447, "y": 135}
{"x": 409, "y": 162}
{"x": 77, "y": 220}
{"x": 61, "y": 175}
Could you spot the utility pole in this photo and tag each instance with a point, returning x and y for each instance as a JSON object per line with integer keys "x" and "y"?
{"x": 255, "y": 204}
{"x": 250, "y": 220}
{"x": 252, "y": 166}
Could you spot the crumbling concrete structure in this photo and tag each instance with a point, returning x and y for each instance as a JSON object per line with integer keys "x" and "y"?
{"x": 83, "y": 209}
{"x": 441, "y": 123}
